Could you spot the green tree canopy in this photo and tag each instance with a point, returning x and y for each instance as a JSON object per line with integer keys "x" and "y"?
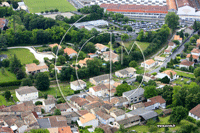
{"x": 42, "y": 81}
{"x": 133, "y": 64}
{"x": 122, "y": 88}
{"x": 179, "y": 113}
{"x": 57, "y": 112}
{"x": 172, "y": 20}
{"x": 7, "y": 95}
{"x": 197, "y": 72}
{"x": 150, "y": 91}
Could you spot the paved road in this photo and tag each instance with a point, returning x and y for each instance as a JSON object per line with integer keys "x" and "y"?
{"x": 173, "y": 55}
{"x": 38, "y": 56}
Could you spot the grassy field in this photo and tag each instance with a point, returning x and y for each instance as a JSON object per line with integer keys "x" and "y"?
{"x": 7, "y": 77}
{"x": 4, "y": 102}
{"x": 24, "y": 55}
{"x": 142, "y": 45}
{"x": 182, "y": 73}
{"x": 163, "y": 120}
{"x": 36, "y": 6}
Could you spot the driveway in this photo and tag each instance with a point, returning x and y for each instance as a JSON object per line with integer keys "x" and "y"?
{"x": 38, "y": 56}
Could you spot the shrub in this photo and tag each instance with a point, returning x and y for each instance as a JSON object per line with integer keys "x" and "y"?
{"x": 190, "y": 119}
{"x": 46, "y": 11}
{"x": 11, "y": 83}
{"x": 198, "y": 123}
{"x": 38, "y": 103}
{"x": 155, "y": 73}
{"x": 36, "y": 62}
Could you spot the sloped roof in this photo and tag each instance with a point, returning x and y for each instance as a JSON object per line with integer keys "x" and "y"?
{"x": 101, "y": 77}
{"x": 100, "y": 46}
{"x": 33, "y": 67}
{"x": 195, "y": 50}
{"x": 55, "y": 44}
{"x": 193, "y": 56}
{"x": 69, "y": 51}
{"x": 186, "y": 63}
{"x": 128, "y": 120}
{"x": 133, "y": 93}
{"x": 196, "y": 111}
{"x": 154, "y": 100}
{"x": 87, "y": 117}
{"x": 78, "y": 82}
{"x": 149, "y": 62}
{"x": 26, "y": 90}
{"x": 168, "y": 72}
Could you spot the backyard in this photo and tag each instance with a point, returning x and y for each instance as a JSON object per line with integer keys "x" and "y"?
{"x": 163, "y": 120}
{"x": 24, "y": 55}
{"x": 36, "y": 6}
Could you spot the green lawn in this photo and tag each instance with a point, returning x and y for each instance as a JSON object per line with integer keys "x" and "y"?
{"x": 25, "y": 56}
{"x": 139, "y": 70}
{"x": 4, "y": 102}
{"x": 142, "y": 45}
{"x": 181, "y": 82}
{"x": 7, "y": 77}
{"x": 163, "y": 120}
{"x": 54, "y": 90}
{"x": 182, "y": 73}
{"x": 36, "y": 6}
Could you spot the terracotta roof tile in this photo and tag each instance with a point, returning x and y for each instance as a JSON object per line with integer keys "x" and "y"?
{"x": 149, "y": 62}
{"x": 196, "y": 110}
{"x": 186, "y": 63}
{"x": 55, "y": 44}
{"x": 64, "y": 129}
{"x": 87, "y": 117}
{"x": 156, "y": 99}
{"x": 69, "y": 51}
{"x": 177, "y": 37}
{"x": 193, "y": 56}
{"x": 168, "y": 72}
{"x": 33, "y": 67}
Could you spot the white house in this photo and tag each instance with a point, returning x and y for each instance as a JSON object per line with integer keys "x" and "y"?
{"x": 177, "y": 37}
{"x": 155, "y": 103}
{"x": 158, "y": 58}
{"x": 26, "y": 93}
{"x": 172, "y": 45}
{"x": 148, "y": 63}
{"x": 107, "y": 56}
{"x": 100, "y": 48}
{"x": 134, "y": 96}
{"x": 92, "y": 55}
{"x": 127, "y": 72}
{"x": 195, "y": 52}
{"x": 195, "y": 112}
{"x": 118, "y": 114}
{"x": 104, "y": 118}
{"x": 48, "y": 105}
{"x": 186, "y": 64}
{"x": 33, "y": 68}
{"x": 70, "y": 52}
{"x": 167, "y": 73}
{"x": 88, "y": 120}
{"x": 77, "y": 85}
{"x": 168, "y": 50}
{"x": 98, "y": 90}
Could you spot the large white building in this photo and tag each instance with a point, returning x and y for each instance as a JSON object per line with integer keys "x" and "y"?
{"x": 26, "y": 93}
{"x": 77, "y": 85}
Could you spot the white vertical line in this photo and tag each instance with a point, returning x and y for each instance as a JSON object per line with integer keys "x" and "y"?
{"x": 110, "y": 62}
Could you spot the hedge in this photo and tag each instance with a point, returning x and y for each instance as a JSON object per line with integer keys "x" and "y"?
{"x": 11, "y": 83}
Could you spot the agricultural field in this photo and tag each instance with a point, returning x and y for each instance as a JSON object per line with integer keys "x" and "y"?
{"x": 36, "y": 6}
{"x": 24, "y": 55}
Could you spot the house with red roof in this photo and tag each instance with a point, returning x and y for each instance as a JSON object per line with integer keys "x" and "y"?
{"x": 186, "y": 64}
{"x": 70, "y": 52}
{"x": 155, "y": 103}
{"x": 195, "y": 112}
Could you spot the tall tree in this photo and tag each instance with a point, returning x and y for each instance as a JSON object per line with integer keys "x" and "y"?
{"x": 172, "y": 20}
{"x": 7, "y": 95}
{"x": 15, "y": 64}
{"x": 150, "y": 91}
{"x": 42, "y": 81}
{"x": 179, "y": 113}
{"x": 122, "y": 88}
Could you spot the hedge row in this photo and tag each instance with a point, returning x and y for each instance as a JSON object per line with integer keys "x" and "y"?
{"x": 11, "y": 83}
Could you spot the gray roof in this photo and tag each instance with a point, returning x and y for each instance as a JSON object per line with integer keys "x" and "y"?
{"x": 128, "y": 120}
{"x": 78, "y": 82}
{"x": 101, "y": 77}
{"x": 146, "y": 114}
{"x": 3, "y": 56}
{"x": 134, "y": 93}
{"x": 107, "y": 106}
{"x": 123, "y": 71}
{"x": 44, "y": 123}
{"x": 49, "y": 101}
{"x": 26, "y": 90}
{"x": 119, "y": 112}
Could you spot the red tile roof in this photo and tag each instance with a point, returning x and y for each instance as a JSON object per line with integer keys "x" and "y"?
{"x": 193, "y": 56}
{"x": 135, "y": 8}
{"x": 191, "y": 3}
{"x": 2, "y": 22}
{"x": 64, "y": 129}
{"x": 195, "y": 51}
{"x": 69, "y": 51}
{"x": 156, "y": 99}
{"x": 187, "y": 63}
{"x": 196, "y": 110}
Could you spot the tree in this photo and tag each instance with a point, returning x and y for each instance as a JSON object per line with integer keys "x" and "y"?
{"x": 167, "y": 94}
{"x": 7, "y": 95}
{"x": 26, "y": 82}
{"x": 98, "y": 130}
{"x": 122, "y": 88}
{"x": 61, "y": 59}
{"x": 179, "y": 113}
{"x": 150, "y": 91}
{"x": 152, "y": 83}
{"x": 172, "y": 20}
{"x": 165, "y": 80}
{"x": 133, "y": 64}
{"x": 56, "y": 10}
{"x": 15, "y": 64}
{"x": 39, "y": 131}
{"x": 57, "y": 112}
{"x": 129, "y": 28}
{"x": 42, "y": 81}
{"x": 72, "y": 78}
{"x": 139, "y": 79}
{"x": 15, "y": 4}
{"x": 20, "y": 74}
{"x": 198, "y": 123}
{"x": 189, "y": 128}
{"x": 124, "y": 37}
{"x": 197, "y": 72}
{"x": 190, "y": 59}
{"x": 89, "y": 48}
{"x": 38, "y": 103}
